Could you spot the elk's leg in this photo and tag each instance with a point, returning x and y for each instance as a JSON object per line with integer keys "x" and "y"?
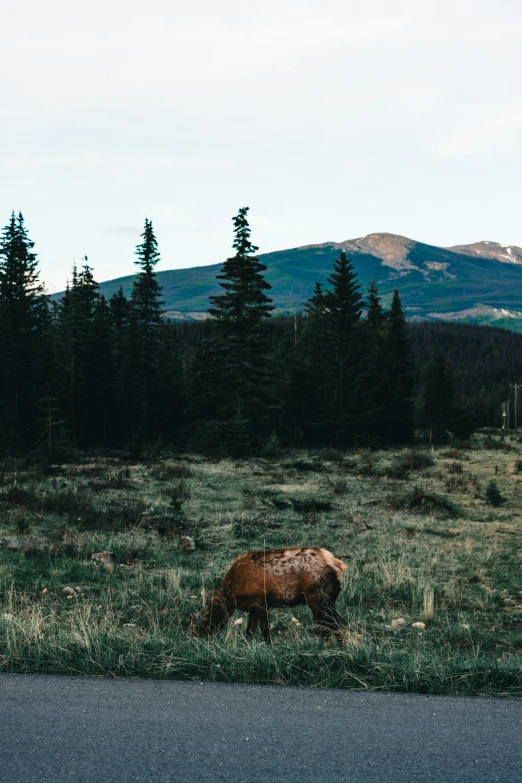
{"x": 265, "y": 624}
{"x": 253, "y": 620}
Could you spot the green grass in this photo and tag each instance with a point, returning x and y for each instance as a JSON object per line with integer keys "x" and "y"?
{"x": 457, "y": 571}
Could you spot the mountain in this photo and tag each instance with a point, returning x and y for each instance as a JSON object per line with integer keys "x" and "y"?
{"x": 481, "y": 282}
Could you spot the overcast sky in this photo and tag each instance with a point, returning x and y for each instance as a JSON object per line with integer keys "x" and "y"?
{"x": 330, "y": 119}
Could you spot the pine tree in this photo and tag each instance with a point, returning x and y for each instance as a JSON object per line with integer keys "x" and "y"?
{"x": 143, "y": 342}
{"x": 308, "y": 393}
{"x": 146, "y": 292}
{"x": 440, "y": 411}
{"x": 399, "y": 372}
{"x": 241, "y": 347}
{"x": 119, "y": 307}
{"x": 75, "y": 321}
{"x": 24, "y": 320}
{"x": 375, "y": 317}
{"x": 334, "y": 356}
{"x": 377, "y": 390}
{"x": 53, "y": 443}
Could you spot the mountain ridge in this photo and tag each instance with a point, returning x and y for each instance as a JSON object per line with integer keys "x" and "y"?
{"x": 479, "y": 282}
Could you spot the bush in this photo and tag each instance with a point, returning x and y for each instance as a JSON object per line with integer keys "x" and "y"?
{"x": 171, "y": 470}
{"x": 493, "y": 494}
{"x": 424, "y": 503}
{"x": 339, "y": 486}
{"x": 454, "y": 453}
{"x": 491, "y": 444}
{"x": 272, "y": 448}
{"x": 455, "y": 468}
{"x": 414, "y": 460}
{"x": 302, "y": 464}
{"x": 310, "y": 505}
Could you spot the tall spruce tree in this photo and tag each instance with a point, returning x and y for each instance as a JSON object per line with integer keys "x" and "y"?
{"x": 441, "y": 412}
{"x": 335, "y": 358}
{"x": 144, "y": 336}
{"x": 377, "y": 389}
{"x": 24, "y": 323}
{"x": 399, "y": 372}
{"x": 119, "y": 307}
{"x": 241, "y": 313}
{"x": 75, "y": 321}
{"x": 146, "y": 292}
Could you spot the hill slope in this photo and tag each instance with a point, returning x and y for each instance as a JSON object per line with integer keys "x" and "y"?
{"x": 480, "y": 282}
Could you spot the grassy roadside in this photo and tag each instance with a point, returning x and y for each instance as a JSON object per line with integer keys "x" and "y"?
{"x": 413, "y": 527}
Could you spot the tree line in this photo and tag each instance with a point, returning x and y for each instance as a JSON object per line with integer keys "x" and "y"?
{"x": 87, "y": 372}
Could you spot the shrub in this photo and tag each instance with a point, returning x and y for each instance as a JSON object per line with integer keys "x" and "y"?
{"x": 492, "y": 444}
{"x": 272, "y": 448}
{"x": 339, "y": 486}
{"x": 414, "y": 460}
{"x": 454, "y": 453}
{"x": 310, "y": 505}
{"x": 424, "y": 503}
{"x": 454, "y": 468}
{"x": 302, "y": 464}
{"x": 493, "y": 494}
{"x": 171, "y": 470}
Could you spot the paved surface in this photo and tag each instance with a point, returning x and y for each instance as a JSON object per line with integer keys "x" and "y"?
{"x": 88, "y": 730}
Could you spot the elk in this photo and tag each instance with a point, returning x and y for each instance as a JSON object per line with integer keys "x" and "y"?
{"x": 258, "y": 581}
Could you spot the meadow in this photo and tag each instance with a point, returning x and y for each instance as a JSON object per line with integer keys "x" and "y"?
{"x": 422, "y": 541}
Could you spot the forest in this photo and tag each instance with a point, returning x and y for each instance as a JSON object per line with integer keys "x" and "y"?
{"x": 87, "y": 373}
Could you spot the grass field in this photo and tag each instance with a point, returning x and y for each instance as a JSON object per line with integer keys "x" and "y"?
{"x": 414, "y": 528}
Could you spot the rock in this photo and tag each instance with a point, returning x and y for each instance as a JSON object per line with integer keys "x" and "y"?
{"x": 103, "y": 557}
{"x": 420, "y": 626}
{"x": 187, "y": 544}
{"x": 239, "y": 621}
{"x": 398, "y": 623}
{"x": 77, "y": 590}
{"x": 69, "y": 591}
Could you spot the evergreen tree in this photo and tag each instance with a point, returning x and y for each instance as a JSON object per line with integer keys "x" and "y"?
{"x": 146, "y": 291}
{"x": 334, "y": 356}
{"x": 240, "y": 350}
{"x": 119, "y": 307}
{"x": 24, "y": 323}
{"x": 308, "y": 393}
{"x": 75, "y": 322}
{"x": 377, "y": 388}
{"x": 53, "y": 443}
{"x": 143, "y": 344}
{"x": 399, "y": 372}
{"x": 440, "y": 410}
{"x": 102, "y": 396}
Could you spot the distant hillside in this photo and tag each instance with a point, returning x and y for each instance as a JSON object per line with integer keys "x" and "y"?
{"x": 479, "y": 283}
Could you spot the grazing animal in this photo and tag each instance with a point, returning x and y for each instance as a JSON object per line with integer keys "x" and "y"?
{"x": 258, "y": 581}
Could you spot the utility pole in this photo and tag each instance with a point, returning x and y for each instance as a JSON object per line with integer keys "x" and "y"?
{"x": 504, "y": 415}
{"x": 516, "y": 387}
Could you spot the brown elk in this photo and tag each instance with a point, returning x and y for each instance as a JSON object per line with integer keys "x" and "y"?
{"x": 258, "y": 581}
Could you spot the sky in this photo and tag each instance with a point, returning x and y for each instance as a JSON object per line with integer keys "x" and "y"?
{"x": 331, "y": 120}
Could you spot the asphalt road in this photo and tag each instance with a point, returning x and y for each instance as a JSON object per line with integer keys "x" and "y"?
{"x": 88, "y": 730}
